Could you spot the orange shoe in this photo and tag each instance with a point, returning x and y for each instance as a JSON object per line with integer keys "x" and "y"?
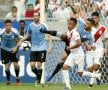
{"x": 8, "y": 82}
{"x": 18, "y": 83}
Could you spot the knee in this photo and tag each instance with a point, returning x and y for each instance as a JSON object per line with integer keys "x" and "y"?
{"x": 32, "y": 65}
{"x": 39, "y": 64}
{"x": 96, "y": 67}
{"x": 90, "y": 69}
{"x": 65, "y": 67}
{"x": 80, "y": 73}
{"x": 16, "y": 64}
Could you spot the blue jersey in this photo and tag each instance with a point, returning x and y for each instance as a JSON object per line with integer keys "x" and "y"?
{"x": 85, "y": 35}
{"x": 38, "y": 42}
{"x": 8, "y": 41}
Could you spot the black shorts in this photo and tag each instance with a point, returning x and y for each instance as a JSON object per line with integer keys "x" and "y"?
{"x": 7, "y": 56}
{"x": 38, "y": 56}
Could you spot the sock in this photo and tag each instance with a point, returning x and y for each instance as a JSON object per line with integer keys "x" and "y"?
{"x": 57, "y": 69}
{"x": 17, "y": 71}
{"x": 53, "y": 33}
{"x": 39, "y": 74}
{"x": 34, "y": 70}
{"x": 7, "y": 71}
{"x": 66, "y": 78}
{"x": 89, "y": 74}
{"x": 58, "y": 34}
{"x": 91, "y": 81}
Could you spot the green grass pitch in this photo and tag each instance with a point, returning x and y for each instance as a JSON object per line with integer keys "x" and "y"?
{"x": 52, "y": 87}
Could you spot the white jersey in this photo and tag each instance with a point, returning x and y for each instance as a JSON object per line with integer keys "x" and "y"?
{"x": 77, "y": 55}
{"x": 99, "y": 42}
{"x": 95, "y": 56}
{"x": 75, "y": 36}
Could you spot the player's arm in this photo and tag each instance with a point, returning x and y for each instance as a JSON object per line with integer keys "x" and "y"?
{"x": 78, "y": 44}
{"x": 88, "y": 46}
{"x": 21, "y": 40}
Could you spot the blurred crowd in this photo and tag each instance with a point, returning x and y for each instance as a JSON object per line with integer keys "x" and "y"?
{"x": 59, "y": 10}
{"x": 64, "y": 9}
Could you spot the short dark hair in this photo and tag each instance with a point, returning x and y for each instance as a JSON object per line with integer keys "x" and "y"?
{"x": 95, "y": 14}
{"x": 22, "y": 21}
{"x": 14, "y": 7}
{"x": 91, "y": 20}
{"x": 7, "y": 21}
{"x": 74, "y": 20}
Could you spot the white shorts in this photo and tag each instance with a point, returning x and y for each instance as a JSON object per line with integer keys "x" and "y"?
{"x": 77, "y": 59}
{"x": 94, "y": 57}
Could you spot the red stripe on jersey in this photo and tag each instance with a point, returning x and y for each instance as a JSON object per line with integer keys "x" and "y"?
{"x": 99, "y": 33}
{"x": 69, "y": 37}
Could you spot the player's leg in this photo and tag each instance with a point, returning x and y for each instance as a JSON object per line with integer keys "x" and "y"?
{"x": 7, "y": 71}
{"x": 33, "y": 56}
{"x": 97, "y": 63}
{"x": 58, "y": 67}
{"x": 53, "y": 33}
{"x": 89, "y": 62}
{"x": 69, "y": 62}
{"x": 80, "y": 62}
{"x": 17, "y": 70}
{"x": 41, "y": 56}
{"x": 63, "y": 36}
{"x": 14, "y": 59}
{"x": 39, "y": 71}
{"x": 98, "y": 54}
{"x": 5, "y": 61}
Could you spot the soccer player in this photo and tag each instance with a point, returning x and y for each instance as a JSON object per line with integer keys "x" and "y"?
{"x": 86, "y": 39}
{"x": 94, "y": 57}
{"x": 76, "y": 55}
{"x": 9, "y": 37}
{"x": 38, "y": 45}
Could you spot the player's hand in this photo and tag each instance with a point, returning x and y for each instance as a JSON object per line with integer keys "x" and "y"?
{"x": 19, "y": 43}
{"x": 68, "y": 48}
{"x": 88, "y": 47}
{"x": 94, "y": 48}
{"x": 15, "y": 49}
